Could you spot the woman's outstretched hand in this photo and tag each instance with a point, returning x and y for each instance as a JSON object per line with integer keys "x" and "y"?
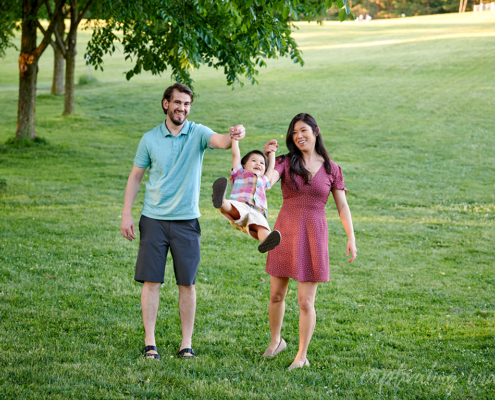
{"x": 270, "y": 147}
{"x": 351, "y": 248}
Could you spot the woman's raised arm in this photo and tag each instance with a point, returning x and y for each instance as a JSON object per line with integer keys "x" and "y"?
{"x": 270, "y": 149}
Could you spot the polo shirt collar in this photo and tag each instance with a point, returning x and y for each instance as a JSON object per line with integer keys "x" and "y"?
{"x": 183, "y": 131}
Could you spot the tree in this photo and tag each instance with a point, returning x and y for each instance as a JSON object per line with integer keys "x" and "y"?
{"x": 236, "y": 35}
{"x": 11, "y": 13}
{"x": 30, "y": 54}
{"x": 28, "y": 64}
{"x": 58, "y": 60}
{"x": 30, "y": 12}
{"x": 462, "y": 6}
{"x": 67, "y": 46}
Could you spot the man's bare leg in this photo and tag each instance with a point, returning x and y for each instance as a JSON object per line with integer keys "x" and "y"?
{"x": 187, "y": 309}
{"x": 150, "y": 298}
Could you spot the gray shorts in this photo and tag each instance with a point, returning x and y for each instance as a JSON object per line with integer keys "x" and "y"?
{"x": 156, "y": 237}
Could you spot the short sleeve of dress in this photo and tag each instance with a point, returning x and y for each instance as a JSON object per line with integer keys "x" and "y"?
{"x": 338, "y": 178}
{"x": 280, "y": 164}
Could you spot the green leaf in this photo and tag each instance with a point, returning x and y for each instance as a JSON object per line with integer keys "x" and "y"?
{"x": 339, "y": 3}
{"x": 285, "y": 13}
{"x": 347, "y": 10}
{"x": 328, "y": 3}
{"x": 342, "y": 15}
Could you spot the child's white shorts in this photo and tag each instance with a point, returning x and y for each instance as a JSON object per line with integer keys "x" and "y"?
{"x": 249, "y": 216}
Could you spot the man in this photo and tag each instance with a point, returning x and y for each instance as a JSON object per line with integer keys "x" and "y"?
{"x": 174, "y": 152}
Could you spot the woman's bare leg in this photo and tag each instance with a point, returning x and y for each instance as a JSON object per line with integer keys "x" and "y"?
{"x": 306, "y": 292}
{"x": 276, "y": 308}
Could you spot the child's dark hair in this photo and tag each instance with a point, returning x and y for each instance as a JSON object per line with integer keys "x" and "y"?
{"x": 246, "y": 157}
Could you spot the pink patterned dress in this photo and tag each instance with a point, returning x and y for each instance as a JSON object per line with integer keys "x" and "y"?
{"x": 303, "y": 253}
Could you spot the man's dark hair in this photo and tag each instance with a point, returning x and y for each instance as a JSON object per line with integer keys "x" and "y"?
{"x": 167, "y": 95}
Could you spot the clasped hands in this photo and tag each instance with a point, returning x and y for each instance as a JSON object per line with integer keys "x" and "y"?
{"x": 237, "y": 132}
{"x": 270, "y": 147}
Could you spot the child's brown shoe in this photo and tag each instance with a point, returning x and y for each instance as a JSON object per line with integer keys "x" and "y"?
{"x": 219, "y": 190}
{"x": 270, "y": 242}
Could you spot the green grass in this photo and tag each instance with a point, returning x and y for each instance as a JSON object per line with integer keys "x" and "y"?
{"x": 405, "y": 108}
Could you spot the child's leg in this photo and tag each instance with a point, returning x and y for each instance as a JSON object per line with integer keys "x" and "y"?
{"x": 260, "y": 230}
{"x": 269, "y": 240}
{"x": 228, "y": 208}
{"x": 218, "y": 198}
{"x": 219, "y": 191}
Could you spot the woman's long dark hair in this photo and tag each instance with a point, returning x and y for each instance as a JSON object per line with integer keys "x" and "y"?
{"x": 295, "y": 156}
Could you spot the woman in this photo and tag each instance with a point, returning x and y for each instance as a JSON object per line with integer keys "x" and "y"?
{"x": 308, "y": 176}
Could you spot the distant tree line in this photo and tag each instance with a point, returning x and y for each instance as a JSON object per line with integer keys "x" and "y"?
{"x": 378, "y": 9}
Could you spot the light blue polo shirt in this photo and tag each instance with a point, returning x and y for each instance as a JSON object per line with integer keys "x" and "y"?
{"x": 172, "y": 191}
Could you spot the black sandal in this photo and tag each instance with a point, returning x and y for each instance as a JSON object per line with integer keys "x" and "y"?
{"x": 146, "y": 354}
{"x": 181, "y": 353}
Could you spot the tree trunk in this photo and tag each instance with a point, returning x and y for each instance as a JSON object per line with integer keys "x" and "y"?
{"x": 70, "y": 60}
{"x": 464, "y": 6}
{"x": 26, "y": 109}
{"x": 58, "y": 62}
{"x": 69, "y": 74}
{"x": 28, "y": 71}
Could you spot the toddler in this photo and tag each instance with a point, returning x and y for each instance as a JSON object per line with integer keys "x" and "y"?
{"x": 246, "y": 208}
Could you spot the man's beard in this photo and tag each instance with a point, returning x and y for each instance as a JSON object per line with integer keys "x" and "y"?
{"x": 174, "y": 121}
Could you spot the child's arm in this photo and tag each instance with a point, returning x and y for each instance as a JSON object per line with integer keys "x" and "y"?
{"x": 271, "y": 166}
{"x": 236, "y": 154}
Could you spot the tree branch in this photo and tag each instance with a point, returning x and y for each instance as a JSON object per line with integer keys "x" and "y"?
{"x": 60, "y": 43}
{"x": 48, "y": 9}
{"x": 86, "y": 8}
{"x": 48, "y": 33}
{"x": 40, "y": 27}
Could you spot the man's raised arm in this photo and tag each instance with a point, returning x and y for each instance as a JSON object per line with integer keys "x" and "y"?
{"x": 131, "y": 190}
{"x": 225, "y": 141}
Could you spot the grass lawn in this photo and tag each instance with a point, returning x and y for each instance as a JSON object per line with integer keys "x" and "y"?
{"x": 405, "y": 108}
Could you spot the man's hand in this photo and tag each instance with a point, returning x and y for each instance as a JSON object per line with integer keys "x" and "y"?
{"x": 127, "y": 228}
{"x": 270, "y": 147}
{"x": 237, "y": 132}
